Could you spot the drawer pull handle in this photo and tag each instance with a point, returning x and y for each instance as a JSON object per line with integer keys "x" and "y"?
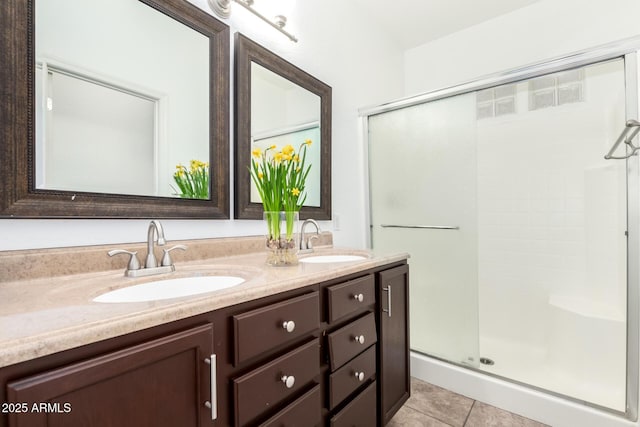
{"x": 288, "y": 380}
{"x": 358, "y": 297}
{"x": 289, "y": 326}
{"x": 359, "y": 339}
{"x": 359, "y": 376}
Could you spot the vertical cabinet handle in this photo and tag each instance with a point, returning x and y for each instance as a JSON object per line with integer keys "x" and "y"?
{"x": 388, "y": 291}
{"x": 213, "y": 404}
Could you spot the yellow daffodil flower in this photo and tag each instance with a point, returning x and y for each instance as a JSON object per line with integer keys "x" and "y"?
{"x": 295, "y": 191}
{"x": 256, "y": 152}
{"x": 308, "y": 142}
{"x": 288, "y": 150}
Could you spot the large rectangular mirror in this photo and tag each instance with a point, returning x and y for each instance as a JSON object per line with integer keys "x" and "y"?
{"x": 278, "y": 104}
{"x": 112, "y": 102}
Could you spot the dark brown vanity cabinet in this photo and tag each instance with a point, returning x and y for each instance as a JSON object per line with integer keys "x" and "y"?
{"x": 330, "y": 354}
{"x": 276, "y": 363}
{"x": 393, "y": 378}
{"x": 351, "y": 350}
{"x": 162, "y": 382}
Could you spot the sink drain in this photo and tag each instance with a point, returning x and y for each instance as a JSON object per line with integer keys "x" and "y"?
{"x": 486, "y": 361}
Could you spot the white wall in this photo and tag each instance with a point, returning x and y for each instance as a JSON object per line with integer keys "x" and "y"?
{"x": 342, "y": 49}
{"x": 543, "y": 30}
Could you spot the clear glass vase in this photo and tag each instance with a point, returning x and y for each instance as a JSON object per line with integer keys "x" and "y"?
{"x": 282, "y": 238}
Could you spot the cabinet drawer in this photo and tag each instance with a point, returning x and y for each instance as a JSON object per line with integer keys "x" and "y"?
{"x": 260, "y": 330}
{"x": 361, "y": 412}
{"x": 304, "y": 412}
{"x": 350, "y": 297}
{"x": 348, "y": 341}
{"x": 355, "y": 373}
{"x": 262, "y": 388}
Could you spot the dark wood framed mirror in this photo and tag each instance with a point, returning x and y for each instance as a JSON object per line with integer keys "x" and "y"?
{"x": 30, "y": 62}
{"x": 277, "y": 103}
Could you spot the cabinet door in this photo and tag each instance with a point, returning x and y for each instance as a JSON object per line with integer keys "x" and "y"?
{"x": 164, "y": 382}
{"x": 394, "y": 382}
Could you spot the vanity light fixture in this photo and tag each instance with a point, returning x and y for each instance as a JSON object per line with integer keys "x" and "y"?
{"x": 222, "y": 8}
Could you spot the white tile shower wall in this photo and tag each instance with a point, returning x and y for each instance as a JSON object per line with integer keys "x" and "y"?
{"x": 552, "y": 217}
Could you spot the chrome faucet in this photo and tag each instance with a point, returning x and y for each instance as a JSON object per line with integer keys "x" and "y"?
{"x": 308, "y": 244}
{"x": 155, "y": 227}
{"x": 151, "y": 263}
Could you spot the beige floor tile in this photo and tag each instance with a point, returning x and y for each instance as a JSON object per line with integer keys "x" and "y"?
{"x": 483, "y": 415}
{"x": 438, "y": 403}
{"x": 407, "y": 417}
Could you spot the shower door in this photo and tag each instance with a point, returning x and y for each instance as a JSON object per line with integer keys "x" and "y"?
{"x": 423, "y": 201}
{"x": 516, "y": 226}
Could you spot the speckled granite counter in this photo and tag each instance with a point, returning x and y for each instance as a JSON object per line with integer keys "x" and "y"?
{"x": 45, "y": 315}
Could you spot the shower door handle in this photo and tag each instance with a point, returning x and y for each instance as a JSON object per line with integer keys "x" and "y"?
{"x": 388, "y": 291}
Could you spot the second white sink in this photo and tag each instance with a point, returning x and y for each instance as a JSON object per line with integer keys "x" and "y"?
{"x": 169, "y": 288}
{"x": 321, "y": 259}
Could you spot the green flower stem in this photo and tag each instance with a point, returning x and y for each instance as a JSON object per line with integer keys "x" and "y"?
{"x": 193, "y": 183}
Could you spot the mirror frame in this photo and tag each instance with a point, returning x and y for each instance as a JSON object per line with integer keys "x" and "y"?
{"x": 246, "y": 52}
{"x": 18, "y": 196}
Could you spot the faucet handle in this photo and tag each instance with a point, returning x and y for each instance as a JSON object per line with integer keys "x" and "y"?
{"x": 134, "y": 263}
{"x": 166, "y": 258}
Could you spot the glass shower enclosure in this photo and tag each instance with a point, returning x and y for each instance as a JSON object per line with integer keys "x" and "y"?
{"x": 517, "y": 226}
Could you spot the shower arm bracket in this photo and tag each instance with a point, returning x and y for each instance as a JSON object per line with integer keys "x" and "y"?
{"x": 631, "y": 129}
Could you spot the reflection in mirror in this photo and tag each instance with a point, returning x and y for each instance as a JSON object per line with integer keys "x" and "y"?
{"x": 105, "y": 100}
{"x": 283, "y": 113}
{"x": 279, "y": 104}
{"x": 105, "y": 123}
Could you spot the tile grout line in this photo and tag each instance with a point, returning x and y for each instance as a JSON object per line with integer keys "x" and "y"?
{"x": 432, "y": 416}
{"x": 469, "y": 413}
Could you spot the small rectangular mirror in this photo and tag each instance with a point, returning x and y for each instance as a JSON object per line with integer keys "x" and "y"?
{"x": 278, "y": 104}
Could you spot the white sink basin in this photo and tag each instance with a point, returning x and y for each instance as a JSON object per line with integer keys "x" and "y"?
{"x": 170, "y": 288}
{"x": 321, "y": 259}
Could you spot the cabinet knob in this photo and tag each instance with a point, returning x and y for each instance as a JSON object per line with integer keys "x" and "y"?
{"x": 359, "y": 339}
{"x": 289, "y": 325}
{"x": 358, "y": 297}
{"x": 359, "y": 376}
{"x": 288, "y": 380}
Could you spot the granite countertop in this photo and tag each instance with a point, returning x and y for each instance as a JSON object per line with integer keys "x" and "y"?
{"x": 45, "y": 315}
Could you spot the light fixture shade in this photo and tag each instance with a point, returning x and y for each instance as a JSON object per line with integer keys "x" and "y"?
{"x": 222, "y": 8}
